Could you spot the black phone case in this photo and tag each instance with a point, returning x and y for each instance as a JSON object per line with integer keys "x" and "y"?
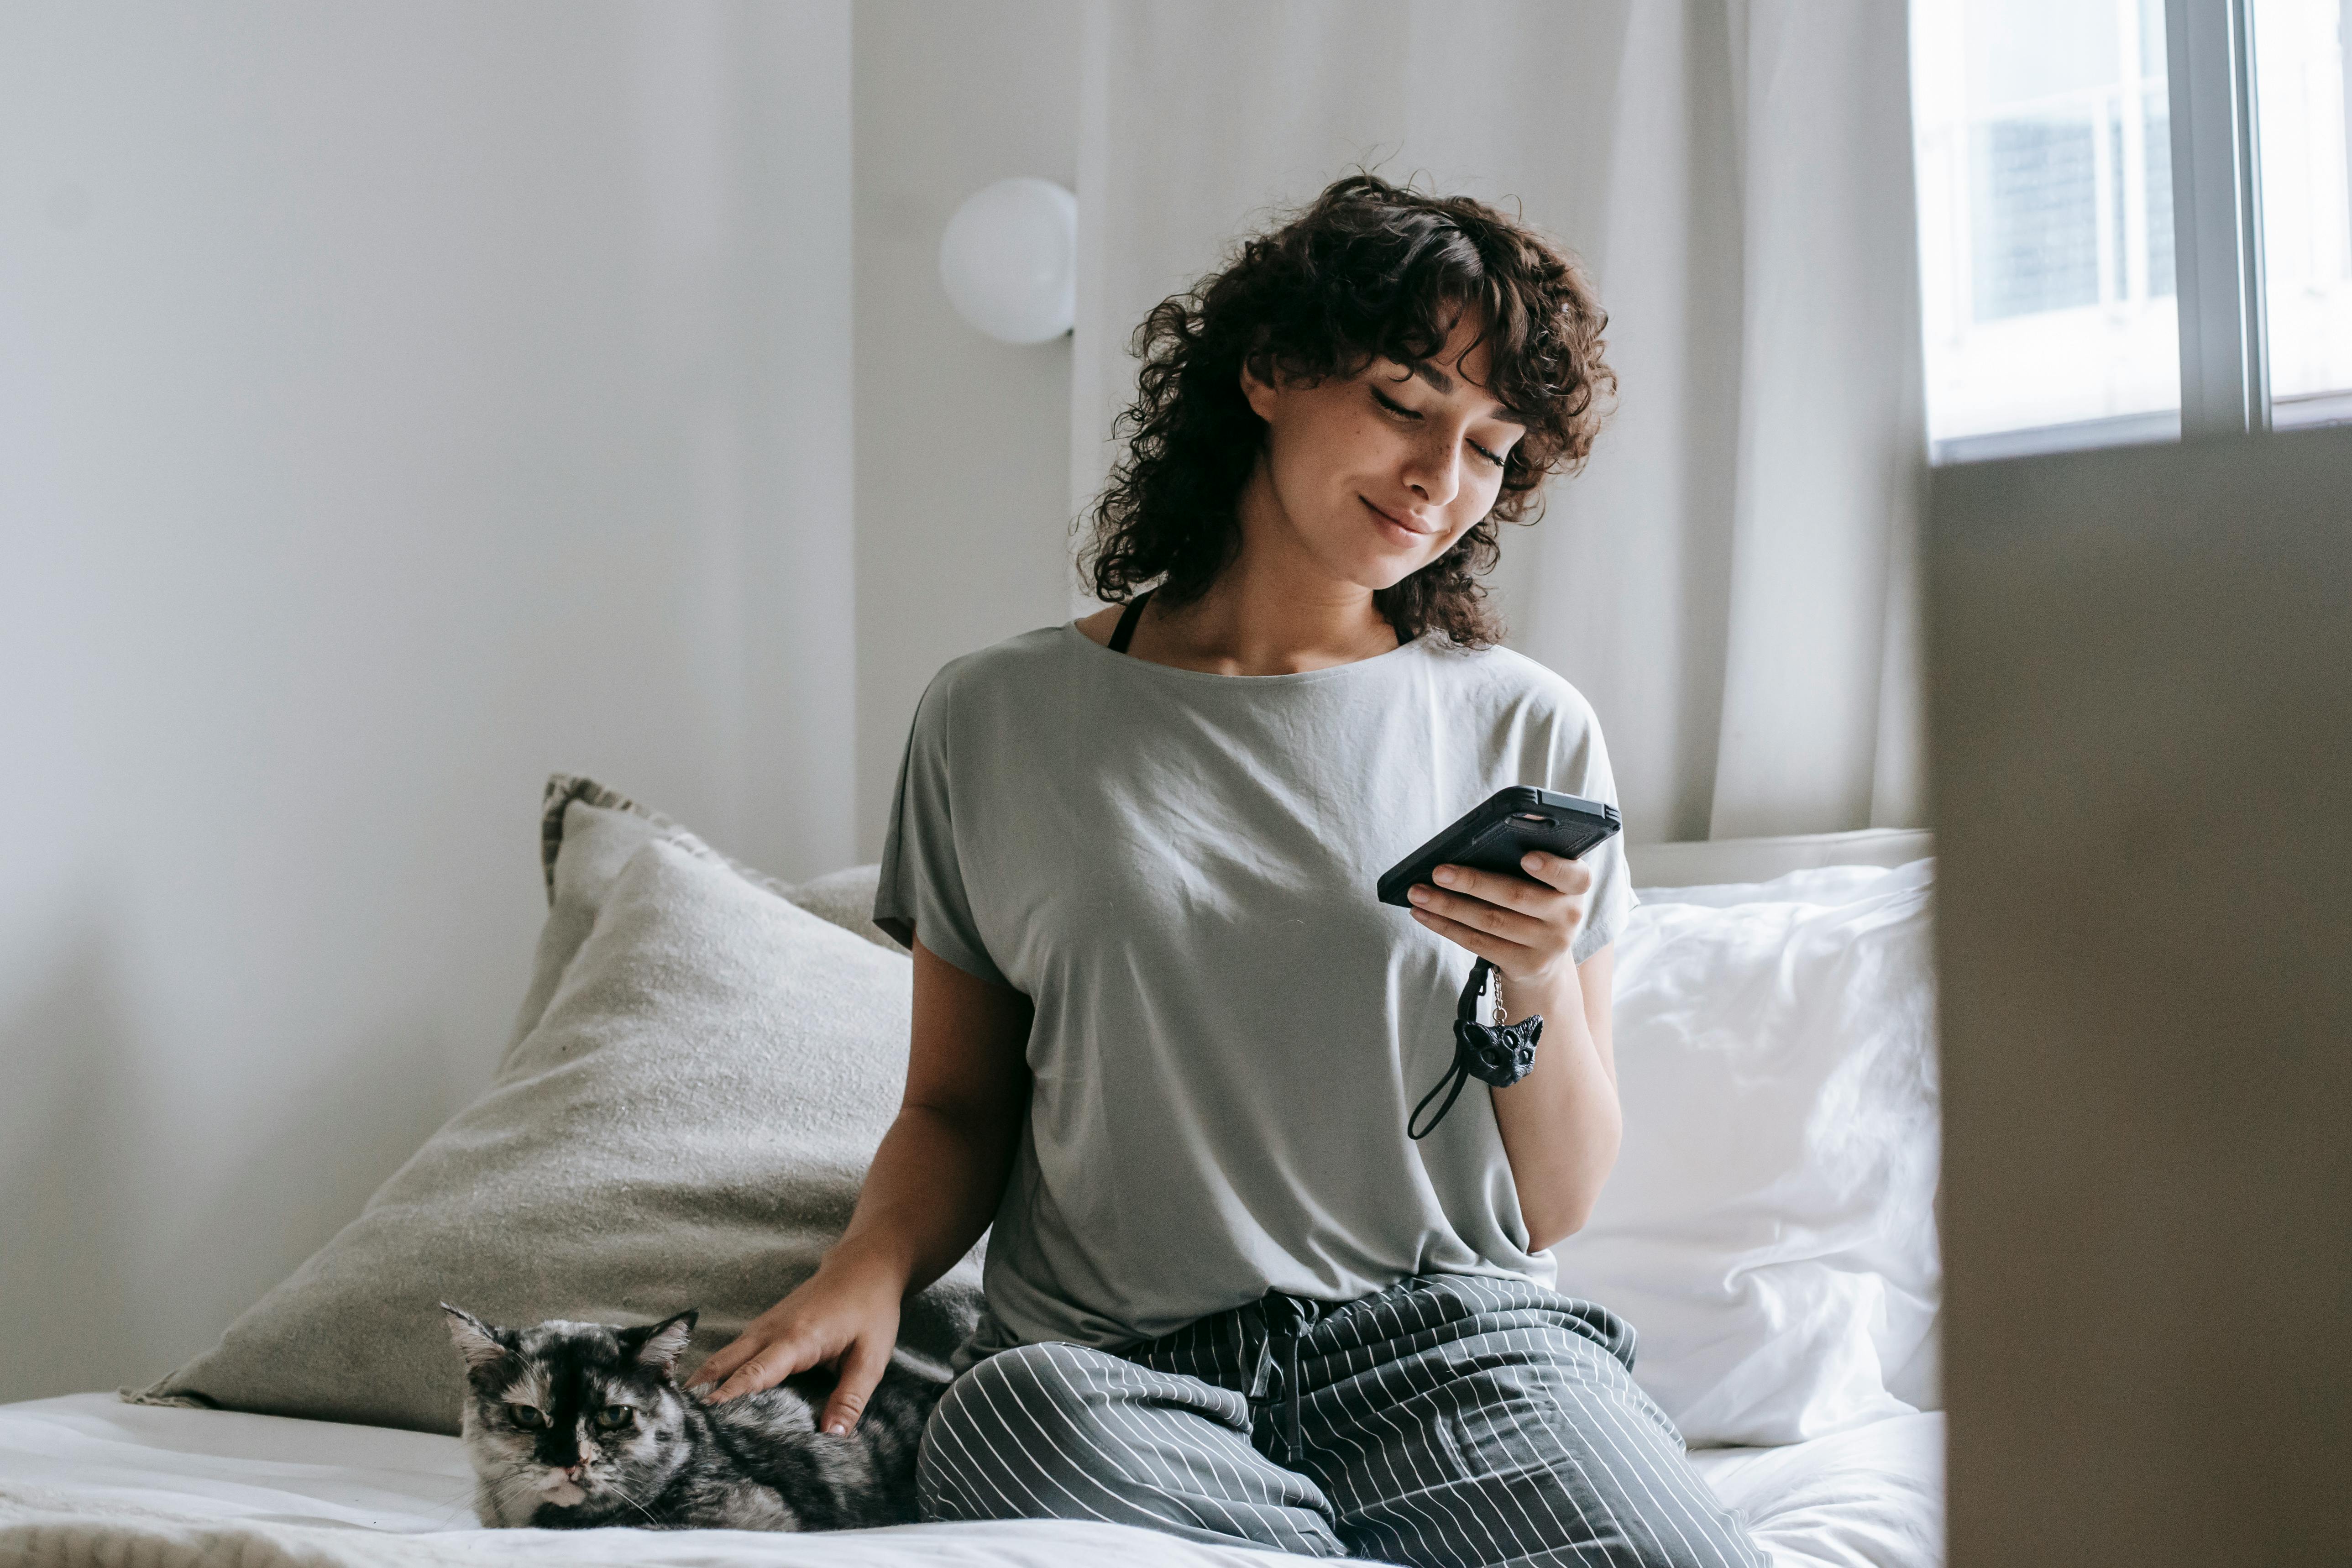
{"x": 1493, "y": 834}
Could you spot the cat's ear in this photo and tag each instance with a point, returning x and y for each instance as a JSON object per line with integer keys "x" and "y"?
{"x": 658, "y": 1345}
{"x": 476, "y": 1340}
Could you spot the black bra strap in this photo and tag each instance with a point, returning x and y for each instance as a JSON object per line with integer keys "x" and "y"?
{"x": 1126, "y": 629}
{"x": 1124, "y": 633}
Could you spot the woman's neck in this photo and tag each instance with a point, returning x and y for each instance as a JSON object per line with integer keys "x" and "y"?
{"x": 1273, "y": 610}
{"x": 1251, "y": 626}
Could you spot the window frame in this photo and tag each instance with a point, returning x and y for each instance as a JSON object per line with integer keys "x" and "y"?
{"x": 2217, "y": 217}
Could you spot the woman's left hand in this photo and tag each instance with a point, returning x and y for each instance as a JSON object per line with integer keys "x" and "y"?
{"x": 1525, "y": 928}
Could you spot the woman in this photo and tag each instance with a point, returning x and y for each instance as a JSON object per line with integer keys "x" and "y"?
{"x": 1166, "y": 1039}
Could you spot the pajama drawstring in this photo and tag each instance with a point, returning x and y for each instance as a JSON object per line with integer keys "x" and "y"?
{"x": 1285, "y": 1317}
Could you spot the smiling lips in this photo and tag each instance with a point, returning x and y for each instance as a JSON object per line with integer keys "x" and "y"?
{"x": 1396, "y": 521}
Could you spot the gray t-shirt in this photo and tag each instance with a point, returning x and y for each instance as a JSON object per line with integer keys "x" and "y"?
{"x": 1177, "y": 869}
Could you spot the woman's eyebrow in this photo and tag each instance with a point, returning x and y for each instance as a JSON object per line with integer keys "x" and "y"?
{"x": 1431, "y": 374}
{"x": 1423, "y": 370}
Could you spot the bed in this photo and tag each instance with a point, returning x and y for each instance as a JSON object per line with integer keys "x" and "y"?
{"x": 1811, "y": 1401}
{"x": 88, "y": 1480}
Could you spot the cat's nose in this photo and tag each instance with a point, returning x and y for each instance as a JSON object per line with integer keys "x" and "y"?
{"x": 573, "y": 1472}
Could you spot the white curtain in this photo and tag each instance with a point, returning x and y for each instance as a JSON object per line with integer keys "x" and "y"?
{"x": 1729, "y": 579}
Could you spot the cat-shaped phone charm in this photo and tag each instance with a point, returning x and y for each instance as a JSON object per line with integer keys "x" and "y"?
{"x": 1497, "y": 1053}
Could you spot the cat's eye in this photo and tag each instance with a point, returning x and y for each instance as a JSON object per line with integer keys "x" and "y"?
{"x": 613, "y": 1417}
{"x": 528, "y": 1416}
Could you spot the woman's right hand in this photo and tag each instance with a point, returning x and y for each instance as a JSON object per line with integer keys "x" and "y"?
{"x": 846, "y": 1316}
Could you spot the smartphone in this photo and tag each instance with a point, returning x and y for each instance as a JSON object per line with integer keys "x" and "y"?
{"x": 1493, "y": 834}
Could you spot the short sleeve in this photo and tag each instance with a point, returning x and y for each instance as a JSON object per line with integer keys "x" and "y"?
{"x": 1579, "y": 766}
{"x": 922, "y": 883}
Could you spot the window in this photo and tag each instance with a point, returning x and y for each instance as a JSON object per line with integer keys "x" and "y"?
{"x": 2302, "y": 68}
{"x": 2045, "y": 201}
{"x": 2067, "y": 298}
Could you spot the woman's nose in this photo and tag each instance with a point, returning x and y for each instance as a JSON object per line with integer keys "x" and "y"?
{"x": 1434, "y": 474}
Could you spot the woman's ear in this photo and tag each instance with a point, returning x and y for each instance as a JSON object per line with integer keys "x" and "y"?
{"x": 1263, "y": 391}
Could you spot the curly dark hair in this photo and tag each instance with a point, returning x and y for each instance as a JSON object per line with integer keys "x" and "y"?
{"x": 1367, "y": 270}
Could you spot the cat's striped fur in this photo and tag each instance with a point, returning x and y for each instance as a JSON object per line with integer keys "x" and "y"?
{"x": 581, "y": 1425}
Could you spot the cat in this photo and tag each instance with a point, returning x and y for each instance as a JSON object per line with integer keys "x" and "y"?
{"x": 580, "y": 1426}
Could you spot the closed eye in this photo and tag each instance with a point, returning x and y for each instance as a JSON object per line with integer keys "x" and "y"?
{"x": 1401, "y": 411}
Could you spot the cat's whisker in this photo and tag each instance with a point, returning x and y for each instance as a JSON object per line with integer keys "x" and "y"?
{"x": 511, "y": 1488}
{"x": 623, "y": 1494}
{"x": 464, "y": 1500}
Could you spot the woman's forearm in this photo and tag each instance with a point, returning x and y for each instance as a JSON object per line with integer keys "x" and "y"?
{"x": 932, "y": 1189}
{"x": 1562, "y": 1124}
{"x": 941, "y": 1172}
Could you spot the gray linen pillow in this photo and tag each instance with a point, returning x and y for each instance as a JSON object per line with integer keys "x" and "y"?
{"x": 698, "y": 1077}
{"x": 587, "y": 832}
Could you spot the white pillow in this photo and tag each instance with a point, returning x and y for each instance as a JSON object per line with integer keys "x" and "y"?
{"x": 1769, "y": 1230}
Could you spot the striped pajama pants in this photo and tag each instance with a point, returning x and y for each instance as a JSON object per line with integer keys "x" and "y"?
{"x": 1446, "y": 1421}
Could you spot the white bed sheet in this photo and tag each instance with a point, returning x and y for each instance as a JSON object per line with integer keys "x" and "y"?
{"x": 87, "y": 1479}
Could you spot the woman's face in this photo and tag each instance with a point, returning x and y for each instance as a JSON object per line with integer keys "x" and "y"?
{"x": 1376, "y": 475}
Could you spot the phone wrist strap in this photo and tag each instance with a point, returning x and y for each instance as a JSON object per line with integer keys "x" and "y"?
{"x": 1499, "y": 1054}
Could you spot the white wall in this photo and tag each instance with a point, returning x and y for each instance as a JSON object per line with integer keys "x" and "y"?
{"x": 397, "y": 402}
{"x": 963, "y": 444}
